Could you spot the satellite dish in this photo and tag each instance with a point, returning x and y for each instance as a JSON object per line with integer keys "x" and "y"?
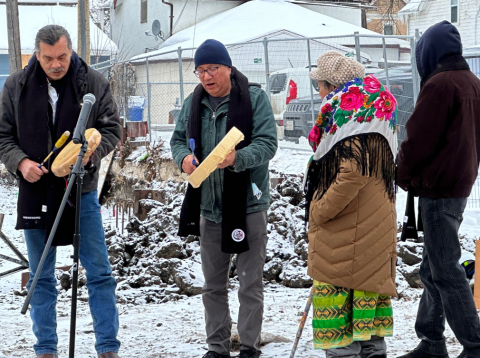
{"x": 156, "y": 28}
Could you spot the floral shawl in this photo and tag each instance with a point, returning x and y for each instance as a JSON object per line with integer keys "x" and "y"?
{"x": 356, "y": 119}
{"x": 360, "y": 106}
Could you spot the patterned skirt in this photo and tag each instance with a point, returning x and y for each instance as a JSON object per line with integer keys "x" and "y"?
{"x": 342, "y": 316}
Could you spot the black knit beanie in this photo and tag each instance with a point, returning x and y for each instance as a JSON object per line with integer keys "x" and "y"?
{"x": 212, "y": 52}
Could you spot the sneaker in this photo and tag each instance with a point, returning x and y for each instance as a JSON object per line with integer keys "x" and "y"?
{"x": 212, "y": 354}
{"x": 417, "y": 353}
{"x": 249, "y": 353}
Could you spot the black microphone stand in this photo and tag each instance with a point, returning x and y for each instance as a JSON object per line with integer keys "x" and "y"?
{"x": 76, "y": 176}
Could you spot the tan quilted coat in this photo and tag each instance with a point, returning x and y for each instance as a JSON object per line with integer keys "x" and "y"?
{"x": 352, "y": 234}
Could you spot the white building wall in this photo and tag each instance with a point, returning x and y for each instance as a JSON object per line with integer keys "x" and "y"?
{"x": 205, "y": 9}
{"x": 376, "y": 54}
{"x": 127, "y": 30}
{"x": 129, "y": 33}
{"x": 343, "y": 13}
{"x": 438, "y": 10}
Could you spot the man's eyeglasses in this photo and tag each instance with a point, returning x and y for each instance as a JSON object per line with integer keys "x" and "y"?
{"x": 212, "y": 71}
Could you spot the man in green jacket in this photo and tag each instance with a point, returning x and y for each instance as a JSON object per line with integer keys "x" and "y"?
{"x": 229, "y": 210}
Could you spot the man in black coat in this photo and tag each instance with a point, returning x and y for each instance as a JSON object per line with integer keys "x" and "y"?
{"x": 37, "y": 105}
{"x": 439, "y": 163}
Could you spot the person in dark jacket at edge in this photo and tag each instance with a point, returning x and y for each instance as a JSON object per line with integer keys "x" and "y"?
{"x": 37, "y": 105}
{"x": 438, "y": 162}
{"x": 229, "y": 210}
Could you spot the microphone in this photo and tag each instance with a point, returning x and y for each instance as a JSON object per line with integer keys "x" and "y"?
{"x": 88, "y": 102}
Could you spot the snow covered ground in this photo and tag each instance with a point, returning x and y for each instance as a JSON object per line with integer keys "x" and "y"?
{"x": 176, "y": 328}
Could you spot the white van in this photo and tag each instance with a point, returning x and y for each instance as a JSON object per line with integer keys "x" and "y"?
{"x": 293, "y": 83}
{"x": 285, "y": 86}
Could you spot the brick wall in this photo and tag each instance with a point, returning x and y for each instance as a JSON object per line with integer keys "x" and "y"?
{"x": 377, "y": 19}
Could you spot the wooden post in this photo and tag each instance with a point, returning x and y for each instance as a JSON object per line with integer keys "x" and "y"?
{"x": 84, "y": 30}
{"x": 476, "y": 294}
{"x": 364, "y": 18}
{"x": 87, "y": 30}
{"x": 13, "y": 30}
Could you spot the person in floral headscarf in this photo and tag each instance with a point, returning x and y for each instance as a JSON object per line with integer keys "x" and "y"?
{"x": 351, "y": 211}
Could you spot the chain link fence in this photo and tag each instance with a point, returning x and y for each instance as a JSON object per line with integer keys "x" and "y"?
{"x": 280, "y": 64}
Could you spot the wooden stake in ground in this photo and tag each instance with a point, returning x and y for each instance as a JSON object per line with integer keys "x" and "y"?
{"x": 476, "y": 295}
{"x": 302, "y": 323}
{"x": 13, "y": 30}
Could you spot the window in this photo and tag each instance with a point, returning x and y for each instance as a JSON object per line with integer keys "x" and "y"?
{"x": 454, "y": 11}
{"x": 278, "y": 82}
{"x": 388, "y": 29}
{"x": 143, "y": 11}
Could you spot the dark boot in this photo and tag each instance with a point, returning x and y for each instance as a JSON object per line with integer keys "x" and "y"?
{"x": 47, "y": 356}
{"x": 464, "y": 355}
{"x": 212, "y": 354}
{"x": 109, "y": 355}
{"x": 417, "y": 353}
{"x": 249, "y": 353}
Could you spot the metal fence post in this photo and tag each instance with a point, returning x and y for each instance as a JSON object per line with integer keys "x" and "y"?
{"x": 357, "y": 46}
{"x": 149, "y": 94}
{"x": 413, "y": 60}
{"x": 415, "y": 74}
{"x": 267, "y": 69}
{"x": 385, "y": 61}
{"x": 126, "y": 115}
{"x": 180, "y": 74}
{"x": 311, "y": 89}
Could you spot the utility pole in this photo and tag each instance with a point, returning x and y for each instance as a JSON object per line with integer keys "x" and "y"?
{"x": 84, "y": 30}
{"x": 13, "y": 30}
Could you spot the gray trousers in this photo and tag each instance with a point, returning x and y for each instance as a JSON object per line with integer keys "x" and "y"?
{"x": 216, "y": 266}
{"x": 374, "y": 347}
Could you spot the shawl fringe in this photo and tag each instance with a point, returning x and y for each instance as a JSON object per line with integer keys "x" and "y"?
{"x": 370, "y": 152}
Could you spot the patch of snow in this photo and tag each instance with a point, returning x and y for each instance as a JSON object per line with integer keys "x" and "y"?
{"x": 157, "y": 321}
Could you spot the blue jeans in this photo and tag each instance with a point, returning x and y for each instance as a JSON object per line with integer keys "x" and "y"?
{"x": 447, "y": 293}
{"x": 100, "y": 283}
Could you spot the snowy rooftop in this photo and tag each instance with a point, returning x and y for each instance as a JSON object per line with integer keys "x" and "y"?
{"x": 32, "y": 18}
{"x": 411, "y": 7}
{"x": 256, "y": 19}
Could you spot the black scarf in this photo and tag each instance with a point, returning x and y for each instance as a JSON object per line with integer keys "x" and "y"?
{"x": 410, "y": 228}
{"x": 234, "y": 194}
{"x": 450, "y": 63}
{"x": 38, "y": 203}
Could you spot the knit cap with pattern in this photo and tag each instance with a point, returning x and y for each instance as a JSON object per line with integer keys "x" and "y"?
{"x": 337, "y": 69}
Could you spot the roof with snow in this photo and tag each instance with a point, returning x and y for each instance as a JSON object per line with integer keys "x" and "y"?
{"x": 32, "y": 18}
{"x": 412, "y": 7}
{"x": 254, "y": 20}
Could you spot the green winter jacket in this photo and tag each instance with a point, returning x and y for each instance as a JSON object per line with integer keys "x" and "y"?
{"x": 254, "y": 157}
